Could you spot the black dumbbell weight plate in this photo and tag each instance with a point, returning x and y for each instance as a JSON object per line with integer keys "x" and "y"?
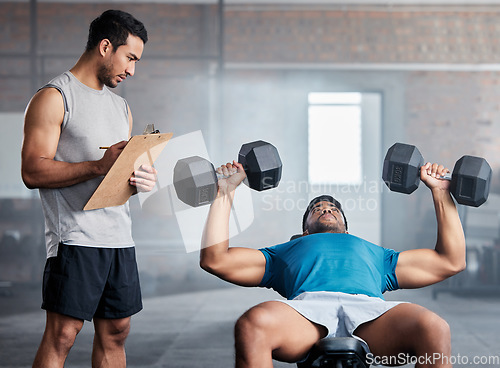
{"x": 195, "y": 181}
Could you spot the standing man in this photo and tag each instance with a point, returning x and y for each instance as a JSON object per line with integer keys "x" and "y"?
{"x": 91, "y": 271}
{"x": 334, "y": 281}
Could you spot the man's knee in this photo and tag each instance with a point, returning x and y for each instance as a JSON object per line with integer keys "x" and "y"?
{"x": 112, "y": 331}
{"x": 253, "y": 325}
{"x": 119, "y": 330}
{"x": 65, "y": 338}
{"x": 435, "y": 330}
{"x": 62, "y": 332}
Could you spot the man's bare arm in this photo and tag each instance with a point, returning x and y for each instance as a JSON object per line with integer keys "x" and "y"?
{"x": 422, "y": 267}
{"x": 42, "y": 126}
{"x": 241, "y": 266}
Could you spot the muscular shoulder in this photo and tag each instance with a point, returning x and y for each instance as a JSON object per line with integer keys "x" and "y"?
{"x": 48, "y": 95}
{"x": 46, "y": 106}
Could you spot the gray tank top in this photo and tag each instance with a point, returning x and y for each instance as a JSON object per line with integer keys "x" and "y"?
{"x": 91, "y": 119}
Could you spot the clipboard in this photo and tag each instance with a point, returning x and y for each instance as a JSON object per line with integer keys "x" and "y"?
{"x": 115, "y": 189}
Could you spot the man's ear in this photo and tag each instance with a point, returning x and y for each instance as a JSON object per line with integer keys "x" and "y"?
{"x": 105, "y": 47}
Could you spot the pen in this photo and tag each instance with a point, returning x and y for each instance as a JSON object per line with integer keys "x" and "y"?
{"x": 103, "y": 147}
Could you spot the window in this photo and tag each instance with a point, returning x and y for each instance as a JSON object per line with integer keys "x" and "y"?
{"x": 335, "y": 138}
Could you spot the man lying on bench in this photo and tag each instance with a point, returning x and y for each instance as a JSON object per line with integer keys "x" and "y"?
{"x": 333, "y": 282}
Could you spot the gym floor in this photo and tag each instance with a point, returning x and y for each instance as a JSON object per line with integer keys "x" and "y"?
{"x": 195, "y": 329}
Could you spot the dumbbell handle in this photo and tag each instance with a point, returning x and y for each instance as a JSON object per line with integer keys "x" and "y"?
{"x": 446, "y": 176}
{"x": 222, "y": 176}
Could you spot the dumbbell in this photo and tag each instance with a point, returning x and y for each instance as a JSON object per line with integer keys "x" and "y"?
{"x": 470, "y": 180}
{"x": 195, "y": 178}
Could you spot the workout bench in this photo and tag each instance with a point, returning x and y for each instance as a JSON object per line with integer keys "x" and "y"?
{"x": 337, "y": 352}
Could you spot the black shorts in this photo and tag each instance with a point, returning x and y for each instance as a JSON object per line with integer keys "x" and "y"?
{"x": 85, "y": 282}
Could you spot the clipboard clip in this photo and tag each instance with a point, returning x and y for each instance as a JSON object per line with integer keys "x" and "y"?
{"x": 150, "y": 129}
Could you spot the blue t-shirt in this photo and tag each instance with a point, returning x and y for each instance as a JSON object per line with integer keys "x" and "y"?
{"x": 330, "y": 262}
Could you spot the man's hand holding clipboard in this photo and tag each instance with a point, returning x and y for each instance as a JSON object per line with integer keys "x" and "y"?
{"x": 121, "y": 181}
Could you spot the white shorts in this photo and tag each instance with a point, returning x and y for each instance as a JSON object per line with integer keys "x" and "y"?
{"x": 340, "y": 313}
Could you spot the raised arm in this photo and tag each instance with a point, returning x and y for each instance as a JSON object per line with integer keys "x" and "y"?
{"x": 42, "y": 126}
{"x": 241, "y": 266}
{"x": 422, "y": 267}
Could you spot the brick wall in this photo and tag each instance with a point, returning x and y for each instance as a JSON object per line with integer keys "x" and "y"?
{"x": 460, "y": 110}
{"x": 355, "y": 35}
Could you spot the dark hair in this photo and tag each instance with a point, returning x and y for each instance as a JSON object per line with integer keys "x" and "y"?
{"x": 322, "y": 198}
{"x": 115, "y": 25}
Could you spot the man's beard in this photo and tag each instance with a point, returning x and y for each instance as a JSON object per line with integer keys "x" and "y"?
{"x": 105, "y": 77}
{"x": 326, "y": 227}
